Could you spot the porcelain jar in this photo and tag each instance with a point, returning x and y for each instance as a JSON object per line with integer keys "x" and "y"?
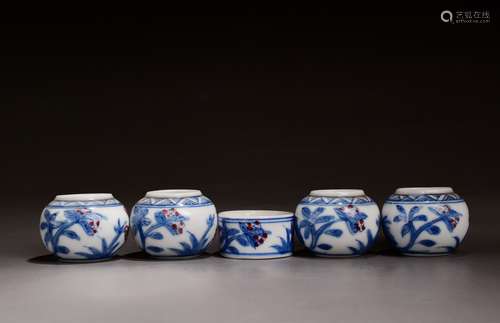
{"x": 256, "y": 234}
{"x": 84, "y": 227}
{"x": 425, "y": 221}
{"x": 337, "y": 222}
{"x": 174, "y": 223}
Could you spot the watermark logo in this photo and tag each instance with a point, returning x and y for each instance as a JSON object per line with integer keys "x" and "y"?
{"x": 447, "y": 16}
{"x": 466, "y": 16}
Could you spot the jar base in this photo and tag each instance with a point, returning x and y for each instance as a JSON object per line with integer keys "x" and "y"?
{"x": 84, "y": 261}
{"x": 174, "y": 257}
{"x": 324, "y": 255}
{"x": 423, "y": 254}
{"x": 256, "y": 257}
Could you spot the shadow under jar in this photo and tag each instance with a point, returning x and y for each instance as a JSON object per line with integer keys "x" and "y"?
{"x": 337, "y": 222}
{"x": 256, "y": 234}
{"x": 172, "y": 224}
{"x": 84, "y": 227}
{"x": 425, "y": 221}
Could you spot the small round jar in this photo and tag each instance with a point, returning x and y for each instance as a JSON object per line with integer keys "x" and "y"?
{"x": 174, "y": 223}
{"x": 425, "y": 221}
{"x": 256, "y": 234}
{"x": 337, "y": 223}
{"x": 84, "y": 227}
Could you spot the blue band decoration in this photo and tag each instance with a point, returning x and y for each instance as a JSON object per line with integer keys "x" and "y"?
{"x": 424, "y": 198}
{"x": 325, "y": 201}
{"x": 195, "y": 201}
{"x": 73, "y": 204}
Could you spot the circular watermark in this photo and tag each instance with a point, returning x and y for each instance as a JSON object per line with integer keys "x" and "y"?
{"x": 447, "y": 16}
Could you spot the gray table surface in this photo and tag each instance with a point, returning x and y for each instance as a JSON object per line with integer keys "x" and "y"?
{"x": 379, "y": 287}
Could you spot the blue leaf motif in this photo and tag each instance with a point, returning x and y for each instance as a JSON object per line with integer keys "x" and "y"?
{"x": 318, "y": 211}
{"x": 306, "y": 212}
{"x": 94, "y": 251}
{"x": 62, "y": 249}
{"x": 324, "y": 246}
{"x": 232, "y": 232}
{"x": 72, "y": 215}
{"x": 47, "y": 237}
{"x": 341, "y": 214}
{"x": 194, "y": 241}
{"x": 397, "y": 218}
{"x": 304, "y": 223}
{"x": 71, "y": 234}
{"x": 160, "y": 218}
{"x": 324, "y": 219}
{"x": 405, "y": 229}
{"x": 242, "y": 241}
{"x": 49, "y": 217}
{"x": 434, "y": 230}
{"x": 427, "y": 243}
{"x": 401, "y": 209}
{"x": 413, "y": 211}
{"x": 420, "y": 217}
{"x": 156, "y": 236}
{"x": 334, "y": 232}
{"x": 154, "y": 249}
{"x": 44, "y": 226}
{"x": 232, "y": 250}
{"x": 307, "y": 232}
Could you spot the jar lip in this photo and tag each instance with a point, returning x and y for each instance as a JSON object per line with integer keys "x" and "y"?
{"x": 423, "y": 190}
{"x": 337, "y": 193}
{"x": 254, "y": 214}
{"x": 173, "y": 193}
{"x": 84, "y": 197}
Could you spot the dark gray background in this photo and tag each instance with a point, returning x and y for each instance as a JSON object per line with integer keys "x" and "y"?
{"x": 255, "y": 108}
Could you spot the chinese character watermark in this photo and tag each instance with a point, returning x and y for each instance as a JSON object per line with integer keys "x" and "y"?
{"x": 466, "y": 16}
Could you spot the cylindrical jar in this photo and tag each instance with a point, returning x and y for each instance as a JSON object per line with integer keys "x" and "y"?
{"x": 256, "y": 234}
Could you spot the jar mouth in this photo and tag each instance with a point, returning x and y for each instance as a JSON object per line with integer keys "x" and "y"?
{"x": 84, "y": 197}
{"x": 176, "y": 193}
{"x": 254, "y": 214}
{"x": 337, "y": 193}
{"x": 423, "y": 190}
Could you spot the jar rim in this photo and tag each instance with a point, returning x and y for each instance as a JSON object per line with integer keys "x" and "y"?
{"x": 423, "y": 190}
{"x": 254, "y": 214}
{"x": 84, "y": 197}
{"x": 173, "y": 193}
{"x": 337, "y": 192}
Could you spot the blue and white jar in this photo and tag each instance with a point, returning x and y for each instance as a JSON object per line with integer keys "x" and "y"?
{"x": 425, "y": 221}
{"x": 174, "y": 223}
{"x": 337, "y": 223}
{"x": 256, "y": 234}
{"x": 84, "y": 227}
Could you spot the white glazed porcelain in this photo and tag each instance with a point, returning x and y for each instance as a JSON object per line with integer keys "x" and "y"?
{"x": 256, "y": 234}
{"x": 337, "y": 222}
{"x": 174, "y": 223}
{"x": 84, "y": 227}
{"x": 425, "y": 221}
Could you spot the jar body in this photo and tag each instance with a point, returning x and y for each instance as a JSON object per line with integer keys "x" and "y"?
{"x": 174, "y": 227}
{"x": 337, "y": 226}
{"x": 426, "y": 224}
{"x": 257, "y": 234}
{"x": 84, "y": 230}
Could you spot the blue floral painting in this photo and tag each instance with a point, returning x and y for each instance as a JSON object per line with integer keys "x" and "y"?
{"x": 86, "y": 219}
{"x": 249, "y": 234}
{"x": 175, "y": 224}
{"x": 315, "y": 224}
{"x": 416, "y": 223}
